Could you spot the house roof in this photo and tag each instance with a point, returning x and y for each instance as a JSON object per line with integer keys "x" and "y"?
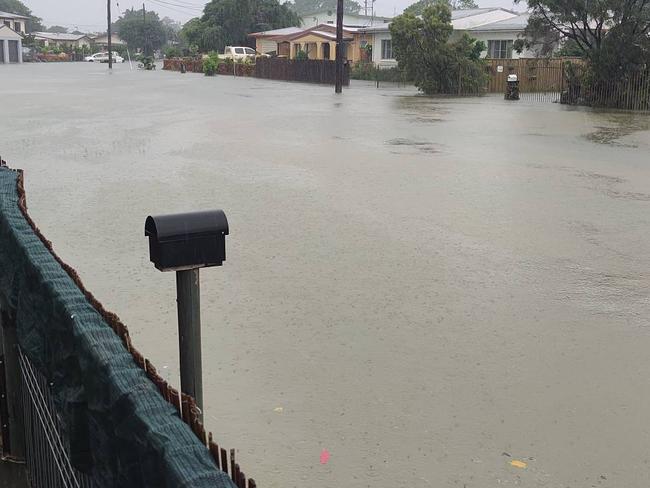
{"x": 470, "y": 12}
{"x": 517, "y": 23}
{"x": 277, "y": 32}
{"x": 8, "y": 33}
{"x": 56, "y": 36}
{"x": 330, "y": 12}
{"x": 8, "y": 15}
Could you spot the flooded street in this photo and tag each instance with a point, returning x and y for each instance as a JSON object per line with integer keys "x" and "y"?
{"x": 428, "y": 289}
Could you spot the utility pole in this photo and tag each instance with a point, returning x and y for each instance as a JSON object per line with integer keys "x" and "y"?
{"x": 110, "y": 35}
{"x": 144, "y": 29}
{"x": 339, "y": 47}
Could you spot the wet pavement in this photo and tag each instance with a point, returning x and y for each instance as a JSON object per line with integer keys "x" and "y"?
{"x": 428, "y": 289}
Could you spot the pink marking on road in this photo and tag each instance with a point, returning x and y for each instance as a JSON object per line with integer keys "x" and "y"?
{"x": 324, "y": 456}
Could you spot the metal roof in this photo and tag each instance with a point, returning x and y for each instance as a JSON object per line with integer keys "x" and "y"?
{"x": 8, "y": 15}
{"x": 57, "y": 36}
{"x": 517, "y": 23}
{"x": 277, "y": 32}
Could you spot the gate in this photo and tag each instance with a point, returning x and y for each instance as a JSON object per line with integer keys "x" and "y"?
{"x": 13, "y": 51}
{"x": 539, "y": 79}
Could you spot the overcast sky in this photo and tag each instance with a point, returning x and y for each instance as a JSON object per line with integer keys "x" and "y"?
{"x": 90, "y": 15}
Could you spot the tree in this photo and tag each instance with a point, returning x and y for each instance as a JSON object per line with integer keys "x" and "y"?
{"x": 418, "y": 7}
{"x": 57, "y": 29}
{"x": 228, "y": 22}
{"x": 19, "y": 8}
{"x": 305, "y": 7}
{"x": 611, "y": 34}
{"x": 172, "y": 29}
{"x": 146, "y": 33}
{"x": 422, "y": 48}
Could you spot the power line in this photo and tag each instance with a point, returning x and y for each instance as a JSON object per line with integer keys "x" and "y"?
{"x": 169, "y": 5}
{"x": 174, "y": 9}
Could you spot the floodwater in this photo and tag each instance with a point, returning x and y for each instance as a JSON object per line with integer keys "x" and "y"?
{"x": 428, "y": 289}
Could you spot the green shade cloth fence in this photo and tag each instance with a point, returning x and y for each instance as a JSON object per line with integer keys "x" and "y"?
{"x": 120, "y": 429}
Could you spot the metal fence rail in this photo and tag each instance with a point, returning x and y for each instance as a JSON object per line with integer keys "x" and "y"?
{"x": 46, "y": 452}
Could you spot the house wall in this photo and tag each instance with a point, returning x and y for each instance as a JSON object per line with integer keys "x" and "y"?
{"x": 376, "y": 51}
{"x": 315, "y": 50}
{"x": 501, "y": 36}
{"x": 13, "y": 24}
{"x": 265, "y": 45}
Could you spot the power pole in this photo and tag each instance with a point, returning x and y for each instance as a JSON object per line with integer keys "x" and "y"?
{"x": 339, "y": 47}
{"x": 110, "y": 35}
{"x": 144, "y": 29}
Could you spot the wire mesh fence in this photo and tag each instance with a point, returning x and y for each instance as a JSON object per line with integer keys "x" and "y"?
{"x": 46, "y": 448}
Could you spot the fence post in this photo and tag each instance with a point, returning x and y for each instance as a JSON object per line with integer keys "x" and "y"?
{"x": 12, "y": 382}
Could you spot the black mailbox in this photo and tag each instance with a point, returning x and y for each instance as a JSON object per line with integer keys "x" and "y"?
{"x": 188, "y": 240}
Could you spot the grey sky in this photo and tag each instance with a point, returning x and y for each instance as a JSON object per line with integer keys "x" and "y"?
{"x": 90, "y": 15}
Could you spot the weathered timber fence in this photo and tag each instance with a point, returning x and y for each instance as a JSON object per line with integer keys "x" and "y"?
{"x": 536, "y": 75}
{"x": 309, "y": 70}
{"x": 78, "y": 402}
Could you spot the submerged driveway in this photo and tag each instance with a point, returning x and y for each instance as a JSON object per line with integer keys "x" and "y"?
{"x": 428, "y": 289}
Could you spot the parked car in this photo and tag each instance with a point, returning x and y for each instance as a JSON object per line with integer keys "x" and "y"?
{"x": 240, "y": 53}
{"x": 103, "y": 58}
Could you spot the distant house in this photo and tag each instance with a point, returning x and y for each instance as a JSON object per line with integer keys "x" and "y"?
{"x": 328, "y": 17}
{"x": 16, "y": 22}
{"x": 497, "y": 27}
{"x": 499, "y": 37}
{"x": 101, "y": 42}
{"x": 55, "y": 39}
{"x": 318, "y": 42}
{"x": 11, "y": 45}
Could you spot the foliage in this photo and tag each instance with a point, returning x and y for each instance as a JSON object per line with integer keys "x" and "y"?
{"x": 304, "y": 7}
{"x": 172, "y": 29}
{"x": 611, "y": 34}
{"x": 211, "y": 64}
{"x": 146, "y": 33}
{"x": 57, "y": 29}
{"x": 427, "y": 56}
{"x": 418, "y": 7}
{"x": 368, "y": 71}
{"x": 301, "y": 55}
{"x": 570, "y": 49}
{"x": 228, "y": 22}
{"x": 17, "y": 7}
{"x": 172, "y": 52}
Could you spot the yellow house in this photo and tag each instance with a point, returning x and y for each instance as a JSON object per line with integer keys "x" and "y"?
{"x": 317, "y": 42}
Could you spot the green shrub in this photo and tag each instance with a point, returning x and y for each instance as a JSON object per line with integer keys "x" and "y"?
{"x": 210, "y": 66}
{"x": 301, "y": 55}
{"x": 368, "y": 71}
{"x": 172, "y": 52}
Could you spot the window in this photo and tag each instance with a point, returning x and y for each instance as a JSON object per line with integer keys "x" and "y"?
{"x": 239, "y": 50}
{"x": 250, "y": 51}
{"x": 18, "y": 27}
{"x": 386, "y": 49}
{"x": 8, "y": 23}
{"x": 500, "y": 49}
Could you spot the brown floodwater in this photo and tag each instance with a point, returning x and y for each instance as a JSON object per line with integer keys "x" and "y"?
{"x": 426, "y": 288}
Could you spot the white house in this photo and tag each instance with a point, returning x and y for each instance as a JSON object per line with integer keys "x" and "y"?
{"x": 499, "y": 37}
{"x": 498, "y": 28}
{"x": 55, "y": 39}
{"x": 14, "y": 21}
{"x": 350, "y": 20}
{"x": 11, "y": 45}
